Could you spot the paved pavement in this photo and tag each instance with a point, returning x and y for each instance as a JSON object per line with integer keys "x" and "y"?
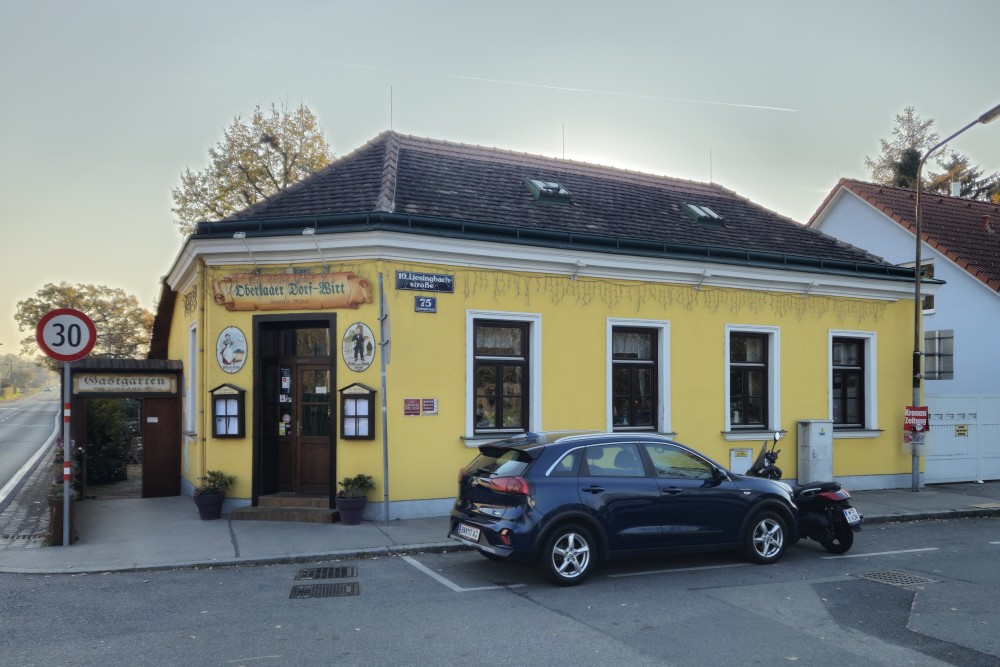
{"x": 158, "y": 533}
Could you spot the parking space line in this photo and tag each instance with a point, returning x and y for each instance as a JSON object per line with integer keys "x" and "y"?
{"x": 879, "y": 553}
{"x": 450, "y": 584}
{"x": 678, "y": 569}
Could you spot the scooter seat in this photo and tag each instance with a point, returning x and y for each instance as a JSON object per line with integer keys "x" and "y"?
{"x": 811, "y": 488}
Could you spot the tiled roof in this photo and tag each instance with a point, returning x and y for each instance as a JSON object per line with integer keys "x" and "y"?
{"x": 964, "y": 230}
{"x": 403, "y": 175}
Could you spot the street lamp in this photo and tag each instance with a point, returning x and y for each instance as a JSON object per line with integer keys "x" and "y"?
{"x": 918, "y": 309}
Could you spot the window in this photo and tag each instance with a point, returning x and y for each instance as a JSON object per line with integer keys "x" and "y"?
{"x": 703, "y": 214}
{"x": 500, "y": 400}
{"x": 548, "y": 192}
{"x": 634, "y": 379}
{"x": 748, "y": 380}
{"x": 853, "y": 383}
{"x": 191, "y": 383}
{"x": 675, "y": 463}
{"x": 848, "y": 385}
{"x": 939, "y": 355}
{"x": 928, "y": 274}
{"x": 614, "y": 461}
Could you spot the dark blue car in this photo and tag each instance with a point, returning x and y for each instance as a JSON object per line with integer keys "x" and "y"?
{"x": 570, "y": 500}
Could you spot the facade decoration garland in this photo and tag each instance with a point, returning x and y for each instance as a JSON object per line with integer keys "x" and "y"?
{"x": 583, "y": 291}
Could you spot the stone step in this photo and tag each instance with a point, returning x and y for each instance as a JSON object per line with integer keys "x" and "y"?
{"x": 295, "y": 514}
{"x": 293, "y": 500}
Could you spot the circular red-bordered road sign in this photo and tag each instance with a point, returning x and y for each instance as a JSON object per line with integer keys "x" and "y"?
{"x": 66, "y": 334}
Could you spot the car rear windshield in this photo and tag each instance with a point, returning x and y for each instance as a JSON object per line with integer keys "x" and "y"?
{"x": 500, "y": 462}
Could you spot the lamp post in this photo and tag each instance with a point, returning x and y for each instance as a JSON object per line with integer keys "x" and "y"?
{"x": 918, "y": 309}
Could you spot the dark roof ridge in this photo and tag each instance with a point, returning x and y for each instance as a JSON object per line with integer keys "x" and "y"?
{"x": 490, "y": 153}
{"x": 387, "y": 192}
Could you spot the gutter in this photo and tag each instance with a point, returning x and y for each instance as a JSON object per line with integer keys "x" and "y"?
{"x": 520, "y": 235}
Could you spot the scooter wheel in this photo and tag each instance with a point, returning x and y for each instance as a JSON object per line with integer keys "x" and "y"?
{"x": 843, "y": 540}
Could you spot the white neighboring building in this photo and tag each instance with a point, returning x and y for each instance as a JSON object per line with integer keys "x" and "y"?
{"x": 961, "y": 320}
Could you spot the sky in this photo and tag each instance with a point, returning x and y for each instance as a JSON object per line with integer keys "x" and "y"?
{"x": 104, "y": 103}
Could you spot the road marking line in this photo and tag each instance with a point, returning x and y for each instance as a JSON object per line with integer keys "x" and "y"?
{"x": 994, "y": 542}
{"x": 679, "y": 569}
{"x": 453, "y": 586}
{"x": 879, "y": 553}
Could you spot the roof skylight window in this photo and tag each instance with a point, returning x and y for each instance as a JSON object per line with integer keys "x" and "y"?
{"x": 702, "y": 213}
{"x": 548, "y": 192}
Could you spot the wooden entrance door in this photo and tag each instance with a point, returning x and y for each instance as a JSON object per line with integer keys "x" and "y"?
{"x": 313, "y": 428}
{"x": 161, "y": 447}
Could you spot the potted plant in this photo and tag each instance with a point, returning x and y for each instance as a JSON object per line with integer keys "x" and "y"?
{"x": 351, "y": 499}
{"x": 55, "y": 498}
{"x": 212, "y": 492}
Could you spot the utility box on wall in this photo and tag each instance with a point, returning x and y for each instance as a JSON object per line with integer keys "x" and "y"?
{"x": 740, "y": 460}
{"x": 815, "y": 450}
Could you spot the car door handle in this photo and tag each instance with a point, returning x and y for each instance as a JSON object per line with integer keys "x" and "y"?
{"x": 594, "y": 489}
{"x": 671, "y": 491}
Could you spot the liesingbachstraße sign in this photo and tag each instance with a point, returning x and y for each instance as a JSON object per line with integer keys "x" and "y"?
{"x": 291, "y": 291}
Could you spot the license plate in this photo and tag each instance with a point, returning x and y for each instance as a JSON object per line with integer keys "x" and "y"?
{"x": 852, "y": 516}
{"x": 470, "y": 533}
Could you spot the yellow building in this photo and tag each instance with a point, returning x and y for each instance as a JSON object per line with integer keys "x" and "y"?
{"x": 521, "y": 293}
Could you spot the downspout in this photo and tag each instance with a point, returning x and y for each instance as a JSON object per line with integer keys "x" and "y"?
{"x": 202, "y": 358}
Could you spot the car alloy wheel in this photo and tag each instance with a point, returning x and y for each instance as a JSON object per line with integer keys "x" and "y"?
{"x": 567, "y": 558}
{"x": 765, "y": 541}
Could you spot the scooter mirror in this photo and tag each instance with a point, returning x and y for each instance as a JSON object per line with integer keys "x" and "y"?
{"x": 777, "y": 436}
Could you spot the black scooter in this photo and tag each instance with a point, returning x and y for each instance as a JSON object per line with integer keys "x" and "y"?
{"x": 825, "y": 513}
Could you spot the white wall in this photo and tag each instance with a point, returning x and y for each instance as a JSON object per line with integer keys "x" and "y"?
{"x": 963, "y": 304}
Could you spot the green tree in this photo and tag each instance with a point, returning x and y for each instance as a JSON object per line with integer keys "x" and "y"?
{"x": 123, "y": 327}
{"x": 910, "y": 132}
{"x": 254, "y": 160}
{"x": 958, "y": 168}
{"x": 912, "y": 137}
{"x": 905, "y": 171}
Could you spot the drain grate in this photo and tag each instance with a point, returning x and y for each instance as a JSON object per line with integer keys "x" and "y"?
{"x": 306, "y": 592}
{"x": 345, "y": 572}
{"x": 894, "y": 578}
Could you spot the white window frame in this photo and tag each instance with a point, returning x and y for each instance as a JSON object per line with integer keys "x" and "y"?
{"x": 870, "y": 338}
{"x": 534, "y": 321}
{"x": 773, "y": 335}
{"x": 191, "y": 382}
{"x": 662, "y": 328}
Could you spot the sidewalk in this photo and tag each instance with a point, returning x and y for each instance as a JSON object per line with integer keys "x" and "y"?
{"x": 159, "y": 533}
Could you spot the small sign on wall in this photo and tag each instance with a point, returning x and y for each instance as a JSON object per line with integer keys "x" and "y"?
{"x": 413, "y": 407}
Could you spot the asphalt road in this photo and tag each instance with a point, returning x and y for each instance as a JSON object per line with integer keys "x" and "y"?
{"x": 914, "y": 594}
{"x": 25, "y": 426}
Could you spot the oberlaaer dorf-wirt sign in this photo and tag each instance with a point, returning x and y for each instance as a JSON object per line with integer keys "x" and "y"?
{"x": 249, "y": 291}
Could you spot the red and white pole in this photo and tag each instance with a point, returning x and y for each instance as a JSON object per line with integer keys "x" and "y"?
{"x": 67, "y": 454}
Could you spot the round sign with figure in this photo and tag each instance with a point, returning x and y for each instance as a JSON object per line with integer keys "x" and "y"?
{"x": 231, "y": 349}
{"x": 66, "y": 334}
{"x": 358, "y": 347}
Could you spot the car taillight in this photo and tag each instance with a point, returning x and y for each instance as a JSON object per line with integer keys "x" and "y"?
{"x": 512, "y": 485}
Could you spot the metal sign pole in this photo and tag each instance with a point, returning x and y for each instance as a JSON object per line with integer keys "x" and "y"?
{"x": 67, "y": 455}
{"x": 383, "y": 316}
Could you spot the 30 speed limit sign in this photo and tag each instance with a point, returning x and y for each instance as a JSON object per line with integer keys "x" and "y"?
{"x": 66, "y": 334}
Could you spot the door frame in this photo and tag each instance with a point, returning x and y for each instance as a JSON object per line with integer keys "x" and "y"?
{"x": 259, "y": 324}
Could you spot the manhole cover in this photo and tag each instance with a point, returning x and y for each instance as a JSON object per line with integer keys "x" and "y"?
{"x": 325, "y": 591}
{"x": 345, "y": 572}
{"x": 894, "y": 578}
